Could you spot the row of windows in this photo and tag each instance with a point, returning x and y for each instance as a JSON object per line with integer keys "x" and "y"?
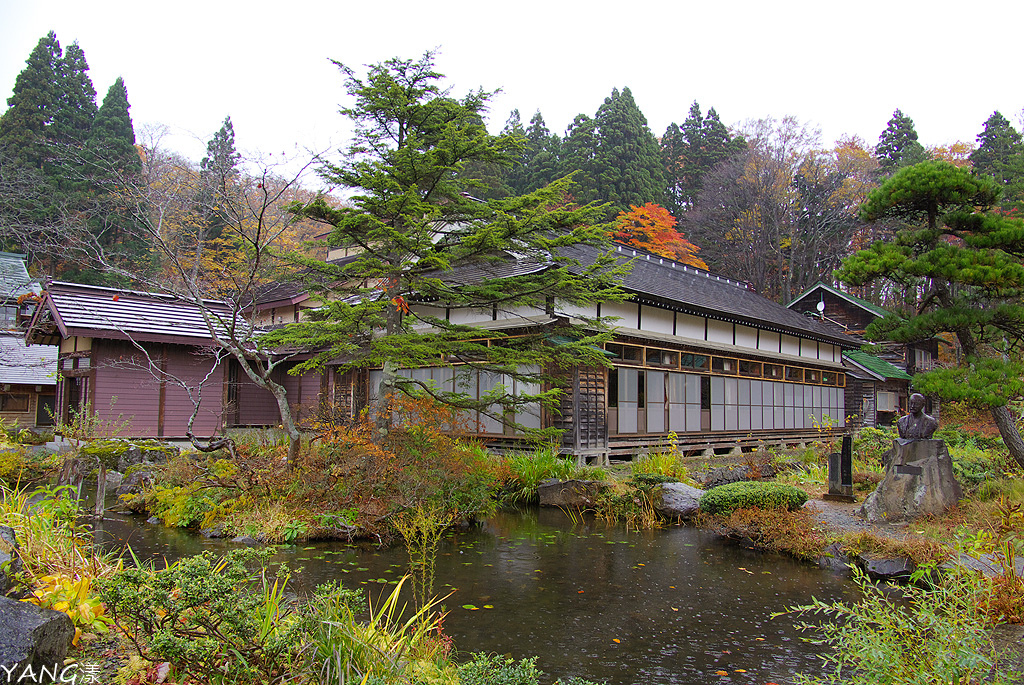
{"x": 476, "y": 384}
{"x": 657, "y": 357}
{"x": 645, "y": 401}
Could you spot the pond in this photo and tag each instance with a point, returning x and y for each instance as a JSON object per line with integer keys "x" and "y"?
{"x": 668, "y": 606}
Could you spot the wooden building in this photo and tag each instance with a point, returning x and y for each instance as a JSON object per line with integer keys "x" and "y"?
{"x": 28, "y": 377}
{"x": 698, "y": 359}
{"x": 129, "y": 356}
{"x": 881, "y": 381}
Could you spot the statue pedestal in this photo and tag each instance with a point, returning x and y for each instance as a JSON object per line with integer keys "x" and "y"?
{"x": 918, "y": 481}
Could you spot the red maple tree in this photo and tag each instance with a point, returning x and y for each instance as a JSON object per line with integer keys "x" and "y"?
{"x": 652, "y": 228}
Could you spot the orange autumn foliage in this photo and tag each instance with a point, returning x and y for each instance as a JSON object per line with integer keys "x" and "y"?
{"x": 653, "y": 229}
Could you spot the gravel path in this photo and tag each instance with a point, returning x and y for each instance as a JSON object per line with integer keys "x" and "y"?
{"x": 842, "y": 517}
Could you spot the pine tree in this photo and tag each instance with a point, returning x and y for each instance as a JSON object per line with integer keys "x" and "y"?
{"x": 897, "y": 146}
{"x": 413, "y": 224}
{"x": 964, "y": 264}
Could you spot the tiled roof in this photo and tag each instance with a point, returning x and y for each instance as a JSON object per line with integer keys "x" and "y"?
{"x": 28, "y": 365}
{"x": 70, "y": 309}
{"x": 875, "y": 365}
{"x": 697, "y": 291}
{"x": 14, "y": 278}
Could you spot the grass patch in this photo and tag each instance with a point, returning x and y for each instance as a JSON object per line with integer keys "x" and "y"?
{"x": 795, "y": 533}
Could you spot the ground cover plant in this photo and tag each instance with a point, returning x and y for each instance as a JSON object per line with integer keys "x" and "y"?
{"x": 747, "y": 494}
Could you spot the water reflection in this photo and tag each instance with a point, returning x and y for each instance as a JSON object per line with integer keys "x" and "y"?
{"x": 671, "y": 606}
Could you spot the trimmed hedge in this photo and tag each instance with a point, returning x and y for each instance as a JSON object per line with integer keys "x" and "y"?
{"x": 751, "y": 493}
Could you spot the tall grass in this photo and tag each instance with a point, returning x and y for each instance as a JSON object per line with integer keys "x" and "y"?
{"x": 663, "y": 463}
{"x": 50, "y": 540}
{"x": 392, "y": 645}
{"x": 527, "y": 471}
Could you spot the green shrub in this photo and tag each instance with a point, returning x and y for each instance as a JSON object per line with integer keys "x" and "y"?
{"x": 500, "y": 670}
{"x": 869, "y": 444}
{"x": 973, "y": 465}
{"x": 749, "y": 493}
{"x": 218, "y": 621}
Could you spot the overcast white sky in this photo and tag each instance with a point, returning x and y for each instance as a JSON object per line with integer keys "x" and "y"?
{"x": 843, "y": 66}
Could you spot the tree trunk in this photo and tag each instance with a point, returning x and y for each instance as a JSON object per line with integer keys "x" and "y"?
{"x": 1011, "y": 436}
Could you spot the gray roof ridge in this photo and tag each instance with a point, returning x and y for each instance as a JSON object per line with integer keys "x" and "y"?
{"x": 673, "y": 265}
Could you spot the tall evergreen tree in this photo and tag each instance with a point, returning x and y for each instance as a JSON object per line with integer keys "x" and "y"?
{"x": 1000, "y": 154}
{"x": 898, "y": 146}
{"x": 113, "y": 162}
{"x": 23, "y": 127}
{"x": 218, "y": 171}
{"x": 75, "y": 108}
{"x": 545, "y": 148}
{"x": 627, "y": 160}
{"x": 690, "y": 152}
{"x": 579, "y": 152}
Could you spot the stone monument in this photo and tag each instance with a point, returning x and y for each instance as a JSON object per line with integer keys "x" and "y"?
{"x": 919, "y": 478}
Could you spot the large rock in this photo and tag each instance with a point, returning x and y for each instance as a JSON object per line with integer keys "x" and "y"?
{"x": 918, "y": 481}
{"x": 574, "y": 494}
{"x": 134, "y": 482}
{"x": 886, "y": 568}
{"x": 32, "y": 638}
{"x": 677, "y": 500}
{"x": 10, "y": 560}
{"x": 985, "y": 563}
{"x": 723, "y": 475}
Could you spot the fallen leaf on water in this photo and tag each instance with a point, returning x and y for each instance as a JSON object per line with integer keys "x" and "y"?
{"x": 674, "y": 609}
{"x": 488, "y": 606}
{"x": 641, "y": 564}
{"x": 616, "y": 640}
{"x": 740, "y": 670}
{"x": 471, "y": 607}
{"x": 672, "y": 587}
{"x": 759, "y": 639}
{"x": 721, "y": 672}
{"x": 579, "y": 592}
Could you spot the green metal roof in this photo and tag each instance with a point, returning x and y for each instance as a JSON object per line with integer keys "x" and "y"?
{"x": 876, "y": 365}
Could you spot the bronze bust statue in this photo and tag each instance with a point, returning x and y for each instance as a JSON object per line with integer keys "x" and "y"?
{"x": 916, "y": 425}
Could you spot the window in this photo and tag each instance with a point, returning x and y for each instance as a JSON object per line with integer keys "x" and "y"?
{"x": 723, "y": 365}
{"x": 828, "y": 378}
{"x": 629, "y": 354}
{"x": 794, "y": 374}
{"x": 694, "y": 361}
{"x": 656, "y": 357}
{"x": 613, "y": 388}
{"x": 13, "y": 402}
{"x": 773, "y": 371}
{"x": 812, "y": 376}
{"x": 885, "y": 401}
{"x": 752, "y": 369}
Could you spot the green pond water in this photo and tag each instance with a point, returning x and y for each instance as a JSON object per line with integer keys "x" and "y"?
{"x": 668, "y": 606}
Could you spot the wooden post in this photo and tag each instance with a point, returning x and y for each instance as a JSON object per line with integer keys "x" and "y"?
{"x": 101, "y": 489}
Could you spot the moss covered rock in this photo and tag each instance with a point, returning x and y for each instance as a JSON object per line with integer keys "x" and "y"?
{"x": 120, "y": 455}
{"x": 750, "y": 494}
